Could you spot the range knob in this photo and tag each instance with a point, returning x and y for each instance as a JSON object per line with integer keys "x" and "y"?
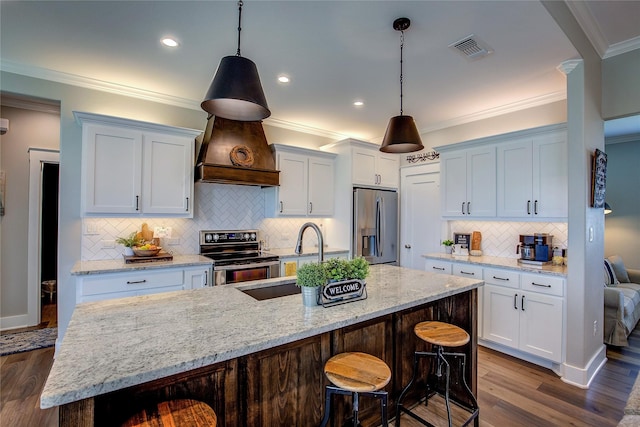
{"x": 253, "y": 236}
{"x": 216, "y": 237}
{"x": 246, "y": 236}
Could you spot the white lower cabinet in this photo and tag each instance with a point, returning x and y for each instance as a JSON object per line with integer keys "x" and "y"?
{"x": 437, "y": 266}
{"x": 98, "y": 287}
{"x": 525, "y": 312}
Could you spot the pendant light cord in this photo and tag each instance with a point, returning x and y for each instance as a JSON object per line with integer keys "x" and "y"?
{"x": 239, "y": 25}
{"x": 401, "y": 48}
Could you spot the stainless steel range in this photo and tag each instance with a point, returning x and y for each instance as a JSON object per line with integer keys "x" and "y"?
{"x": 237, "y": 256}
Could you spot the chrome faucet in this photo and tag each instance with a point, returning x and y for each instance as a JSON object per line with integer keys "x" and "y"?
{"x": 320, "y": 240}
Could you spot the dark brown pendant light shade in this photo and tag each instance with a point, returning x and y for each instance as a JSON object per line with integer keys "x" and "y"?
{"x": 401, "y": 136}
{"x": 236, "y": 92}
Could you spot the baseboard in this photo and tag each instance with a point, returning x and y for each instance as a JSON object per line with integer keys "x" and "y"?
{"x": 555, "y": 367}
{"x": 582, "y": 377}
{"x": 14, "y": 322}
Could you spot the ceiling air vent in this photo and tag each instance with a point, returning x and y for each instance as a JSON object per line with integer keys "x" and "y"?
{"x": 471, "y": 47}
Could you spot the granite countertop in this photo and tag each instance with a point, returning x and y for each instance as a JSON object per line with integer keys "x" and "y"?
{"x": 290, "y": 252}
{"x": 118, "y": 265}
{"x": 113, "y": 344}
{"x": 501, "y": 262}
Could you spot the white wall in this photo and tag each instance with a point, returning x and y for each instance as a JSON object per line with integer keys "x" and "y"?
{"x": 621, "y": 85}
{"x": 622, "y": 226}
{"x": 27, "y": 128}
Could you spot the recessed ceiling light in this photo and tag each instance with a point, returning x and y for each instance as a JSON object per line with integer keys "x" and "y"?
{"x": 358, "y": 103}
{"x": 169, "y": 42}
{"x": 283, "y": 79}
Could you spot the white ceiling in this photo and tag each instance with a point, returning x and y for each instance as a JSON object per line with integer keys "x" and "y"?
{"x": 335, "y": 52}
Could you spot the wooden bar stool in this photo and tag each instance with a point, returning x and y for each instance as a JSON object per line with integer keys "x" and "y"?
{"x": 440, "y": 335}
{"x": 356, "y": 374}
{"x": 174, "y": 413}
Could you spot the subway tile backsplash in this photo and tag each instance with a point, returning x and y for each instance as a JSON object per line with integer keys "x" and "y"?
{"x": 218, "y": 207}
{"x": 500, "y": 238}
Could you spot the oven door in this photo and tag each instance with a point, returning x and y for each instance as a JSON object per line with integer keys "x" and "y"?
{"x": 235, "y": 273}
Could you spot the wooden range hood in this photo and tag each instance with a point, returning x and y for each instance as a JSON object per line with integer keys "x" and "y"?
{"x": 234, "y": 152}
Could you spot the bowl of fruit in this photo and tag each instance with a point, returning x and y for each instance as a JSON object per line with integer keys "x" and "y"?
{"x": 147, "y": 249}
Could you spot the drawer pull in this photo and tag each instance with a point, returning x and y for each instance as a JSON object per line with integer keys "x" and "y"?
{"x": 540, "y": 284}
{"x": 438, "y": 268}
{"x": 500, "y": 278}
{"x": 134, "y": 282}
{"x": 467, "y": 273}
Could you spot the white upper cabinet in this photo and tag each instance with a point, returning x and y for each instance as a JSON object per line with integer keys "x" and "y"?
{"x": 532, "y": 177}
{"x": 374, "y": 168}
{"x": 306, "y": 183}
{"x": 468, "y": 184}
{"x": 136, "y": 168}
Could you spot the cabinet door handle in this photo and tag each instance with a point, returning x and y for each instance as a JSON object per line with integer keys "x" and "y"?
{"x": 528, "y": 207}
{"x": 187, "y": 209}
{"x": 137, "y": 203}
{"x": 515, "y": 301}
{"x": 467, "y": 273}
{"x": 281, "y": 206}
{"x": 206, "y": 278}
{"x": 463, "y": 207}
{"x": 134, "y": 282}
{"x": 468, "y": 208}
{"x": 500, "y": 278}
{"x": 542, "y": 285}
{"x": 310, "y": 207}
{"x": 535, "y": 207}
{"x": 438, "y": 268}
{"x": 522, "y": 303}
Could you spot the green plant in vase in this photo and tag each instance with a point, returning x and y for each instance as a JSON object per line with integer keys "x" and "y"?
{"x": 358, "y": 268}
{"x": 129, "y": 242}
{"x": 337, "y": 269}
{"x": 447, "y": 245}
{"x": 311, "y": 275}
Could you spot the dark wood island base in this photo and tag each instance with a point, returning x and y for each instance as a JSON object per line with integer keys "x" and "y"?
{"x": 284, "y": 385}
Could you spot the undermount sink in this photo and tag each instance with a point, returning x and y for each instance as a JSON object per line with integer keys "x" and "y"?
{"x": 275, "y": 291}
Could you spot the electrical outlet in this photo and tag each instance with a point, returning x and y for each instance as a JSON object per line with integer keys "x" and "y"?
{"x": 108, "y": 244}
{"x": 90, "y": 228}
{"x": 595, "y": 327}
{"x": 173, "y": 242}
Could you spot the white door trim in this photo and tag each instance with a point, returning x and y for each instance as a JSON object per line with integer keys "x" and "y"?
{"x": 37, "y": 156}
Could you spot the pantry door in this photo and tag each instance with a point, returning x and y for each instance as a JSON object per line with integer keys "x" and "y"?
{"x": 420, "y": 224}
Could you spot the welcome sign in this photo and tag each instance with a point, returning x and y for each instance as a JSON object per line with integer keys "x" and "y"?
{"x": 342, "y": 292}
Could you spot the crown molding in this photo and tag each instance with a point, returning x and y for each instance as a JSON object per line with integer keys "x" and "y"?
{"x": 622, "y": 47}
{"x": 589, "y": 25}
{"x": 566, "y": 67}
{"x": 632, "y": 137}
{"x": 498, "y": 111}
{"x": 95, "y": 84}
{"x": 33, "y": 104}
{"x": 271, "y": 121}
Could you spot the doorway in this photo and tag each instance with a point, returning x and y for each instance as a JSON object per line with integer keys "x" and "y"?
{"x": 43, "y": 237}
{"x": 421, "y": 227}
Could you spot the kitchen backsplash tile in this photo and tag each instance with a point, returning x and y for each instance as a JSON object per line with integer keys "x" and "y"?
{"x": 500, "y": 238}
{"x": 217, "y": 207}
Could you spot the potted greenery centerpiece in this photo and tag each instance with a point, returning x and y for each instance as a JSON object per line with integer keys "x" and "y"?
{"x": 129, "y": 242}
{"x": 447, "y": 245}
{"x": 337, "y": 269}
{"x": 311, "y": 277}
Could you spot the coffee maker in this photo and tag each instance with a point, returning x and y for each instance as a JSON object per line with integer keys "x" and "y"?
{"x": 535, "y": 248}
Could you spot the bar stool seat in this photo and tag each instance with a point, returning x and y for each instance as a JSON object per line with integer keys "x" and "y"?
{"x": 440, "y": 335}
{"x": 179, "y": 412}
{"x": 356, "y": 374}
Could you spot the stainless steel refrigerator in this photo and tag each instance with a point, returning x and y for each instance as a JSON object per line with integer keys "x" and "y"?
{"x": 375, "y": 225}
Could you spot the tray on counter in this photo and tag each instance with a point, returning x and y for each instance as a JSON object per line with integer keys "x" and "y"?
{"x": 161, "y": 256}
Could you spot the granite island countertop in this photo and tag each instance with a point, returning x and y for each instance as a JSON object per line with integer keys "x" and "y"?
{"x": 113, "y": 344}
{"x": 500, "y": 262}
{"x": 118, "y": 265}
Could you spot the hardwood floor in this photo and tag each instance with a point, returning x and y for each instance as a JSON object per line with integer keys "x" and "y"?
{"x": 510, "y": 392}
